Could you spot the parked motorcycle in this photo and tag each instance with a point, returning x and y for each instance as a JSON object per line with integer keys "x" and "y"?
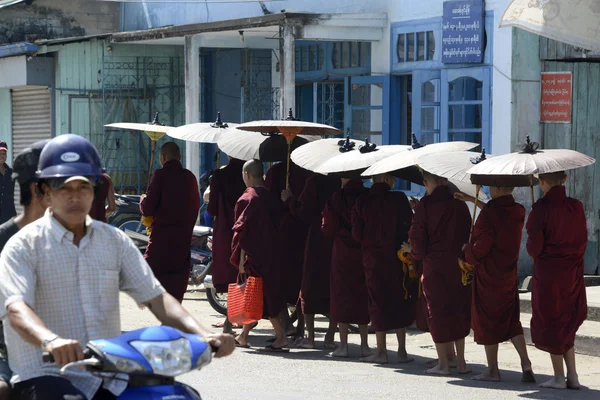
{"x": 151, "y": 357}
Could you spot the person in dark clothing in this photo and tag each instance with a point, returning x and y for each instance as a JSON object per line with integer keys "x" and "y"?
{"x": 103, "y": 191}
{"x": 173, "y": 200}
{"x": 34, "y": 206}
{"x": 7, "y": 187}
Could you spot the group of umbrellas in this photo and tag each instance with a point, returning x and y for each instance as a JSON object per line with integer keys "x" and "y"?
{"x": 282, "y": 140}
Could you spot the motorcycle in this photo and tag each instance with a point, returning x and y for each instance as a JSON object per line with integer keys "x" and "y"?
{"x": 151, "y": 357}
{"x": 218, "y": 301}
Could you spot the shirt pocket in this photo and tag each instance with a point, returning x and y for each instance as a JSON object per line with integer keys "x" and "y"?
{"x": 108, "y": 292}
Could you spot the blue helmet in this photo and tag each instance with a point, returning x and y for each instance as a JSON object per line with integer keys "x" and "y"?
{"x": 69, "y": 155}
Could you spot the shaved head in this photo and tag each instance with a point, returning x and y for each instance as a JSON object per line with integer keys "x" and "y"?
{"x": 254, "y": 168}
{"x": 170, "y": 151}
{"x": 554, "y": 178}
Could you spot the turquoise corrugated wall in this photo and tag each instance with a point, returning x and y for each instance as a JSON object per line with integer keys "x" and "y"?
{"x": 6, "y": 120}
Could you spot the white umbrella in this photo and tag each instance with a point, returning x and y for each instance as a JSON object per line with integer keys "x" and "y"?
{"x": 311, "y": 155}
{"x": 359, "y": 158}
{"x": 253, "y": 145}
{"x": 202, "y": 132}
{"x": 409, "y": 158}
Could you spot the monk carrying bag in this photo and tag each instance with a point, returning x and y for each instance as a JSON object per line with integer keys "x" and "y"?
{"x": 245, "y": 300}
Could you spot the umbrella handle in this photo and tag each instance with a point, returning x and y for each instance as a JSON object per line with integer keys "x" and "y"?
{"x": 151, "y": 163}
{"x": 531, "y": 187}
{"x": 474, "y": 211}
{"x": 287, "y": 170}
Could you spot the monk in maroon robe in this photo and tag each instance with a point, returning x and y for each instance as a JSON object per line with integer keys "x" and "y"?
{"x": 314, "y": 293}
{"x": 494, "y": 253}
{"x": 255, "y": 248}
{"x": 292, "y": 230}
{"x": 440, "y": 228}
{"x": 557, "y": 238}
{"x": 380, "y": 222}
{"x": 349, "y": 302}
{"x": 173, "y": 201}
{"x": 226, "y": 187}
{"x": 103, "y": 192}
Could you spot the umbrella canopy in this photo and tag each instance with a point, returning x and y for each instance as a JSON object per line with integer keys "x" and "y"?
{"x": 574, "y": 22}
{"x": 290, "y": 126}
{"x": 203, "y": 132}
{"x": 517, "y": 169}
{"x": 409, "y": 158}
{"x": 452, "y": 165}
{"x": 355, "y": 159}
{"x": 253, "y": 145}
{"x": 155, "y": 130}
{"x": 312, "y": 155}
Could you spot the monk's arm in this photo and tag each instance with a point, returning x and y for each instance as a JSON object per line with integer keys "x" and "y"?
{"x": 418, "y": 234}
{"x": 329, "y": 222}
{"x": 213, "y": 196}
{"x": 150, "y": 202}
{"x": 535, "y": 231}
{"x": 483, "y": 240}
{"x": 112, "y": 204}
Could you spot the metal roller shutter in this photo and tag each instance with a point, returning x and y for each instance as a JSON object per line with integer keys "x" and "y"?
{"x": 31, "y": 121}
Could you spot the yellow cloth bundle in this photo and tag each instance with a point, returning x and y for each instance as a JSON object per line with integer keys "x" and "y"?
{"x": 147, "y": 221}
{"x": 467, "y": 271}
{"x": 407, "y": 268}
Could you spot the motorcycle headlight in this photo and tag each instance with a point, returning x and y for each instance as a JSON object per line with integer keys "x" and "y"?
{"x": 166, "y": 358}
{"x": 125, "y": 364}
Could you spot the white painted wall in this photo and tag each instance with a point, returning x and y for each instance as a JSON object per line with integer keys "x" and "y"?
{"x": 13, "y": 72}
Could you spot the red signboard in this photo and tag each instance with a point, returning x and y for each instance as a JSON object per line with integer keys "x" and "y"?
{"x": 557, "y": 93}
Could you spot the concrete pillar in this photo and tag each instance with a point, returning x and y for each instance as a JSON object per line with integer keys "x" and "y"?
{"x": 191, "y": 51}
{"x": 287, "y": 77}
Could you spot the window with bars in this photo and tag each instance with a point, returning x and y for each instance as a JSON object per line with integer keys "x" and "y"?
{"x": 309, "y": 57}
{"x": 416, "y": 46}
{"x": 350, "y": 55}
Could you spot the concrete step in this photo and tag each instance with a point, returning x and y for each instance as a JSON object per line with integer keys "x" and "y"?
{"x": 593, "y": 300}
{"x": 587, "y": 340}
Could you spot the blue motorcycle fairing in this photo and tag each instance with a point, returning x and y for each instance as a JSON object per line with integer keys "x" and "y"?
{"x": 178, "y": 391}
{"x": 119, "y": 345}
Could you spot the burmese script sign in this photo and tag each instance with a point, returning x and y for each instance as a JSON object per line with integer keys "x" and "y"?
{"x": 557, "y": 90}
{"x": 462, "y": 32}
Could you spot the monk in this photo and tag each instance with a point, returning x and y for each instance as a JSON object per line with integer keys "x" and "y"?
{"x": 494, "y": 253}
{"x": 314, "y": 293}
{"x": 557, "y": 238}
{"x": 174, "y": 202}
{"x": 440, "y": 228}
{"x": 255, "y": 248}
{"x": 104, "y": 192}
{"x": 349, "y": 298}
{"x": 293, "y": 233}
{"x": 380, "y": 222}
{"x": 226, "y": 187}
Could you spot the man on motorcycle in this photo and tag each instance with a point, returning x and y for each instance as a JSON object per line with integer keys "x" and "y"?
{"x": 70, "y": 270}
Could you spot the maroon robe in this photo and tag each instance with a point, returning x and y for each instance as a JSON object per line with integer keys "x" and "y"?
{"x": 494, "y": 253}
{"x": 173, "y": 200}
{"x": 314, "y": 293}
{"x": 380, "y": 222}
{"x": 226, "y": 187}
{"x": 98, "y": 210}
{"x": 440, "y": 228}
{"x": 292, "y": 230}
{"x": 557, "y": 238}
{"x": 349, "y": 302}
{"x": 257, "y": 214}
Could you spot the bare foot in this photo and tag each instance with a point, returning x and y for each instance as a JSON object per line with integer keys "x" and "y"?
{"x": 464, "y": 370}
{"x": 375, "y": 358}
{"x": 488, "y": 376}
{"x": 241, "y": 340}
{"x": 306, "y": 344}
{"x": 403, "y": 357}
{"x": 365, "y": 351}
{"x": 573, "y": 382}
{"x": 281, "y": 343}
{"x": 433, "y": 363}
{"x": 329, "y": 345}
{"x": 555, "y": 383}
{"x": 341, "y": 352}
{"x": 438, "y": 371}
{"x": 528, "y": 376}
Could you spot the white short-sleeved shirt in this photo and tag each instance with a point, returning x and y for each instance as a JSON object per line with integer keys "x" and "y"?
{"x": 74, "y": 290}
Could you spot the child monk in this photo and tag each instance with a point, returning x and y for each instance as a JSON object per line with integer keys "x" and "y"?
{"x": 439, "y": 229}
{"x": 380, "y": 222}
{"x": 494, "y": 253}
{"x": 349, "y": 301}
{"x": 255, "y": 248}
{"x": 557, "y": 238}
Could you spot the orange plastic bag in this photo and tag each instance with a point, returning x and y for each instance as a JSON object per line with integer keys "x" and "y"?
{"x": 245, "y": 300}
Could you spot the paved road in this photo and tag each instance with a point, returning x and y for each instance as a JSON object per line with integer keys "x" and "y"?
{"x": 305, "y": 374}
